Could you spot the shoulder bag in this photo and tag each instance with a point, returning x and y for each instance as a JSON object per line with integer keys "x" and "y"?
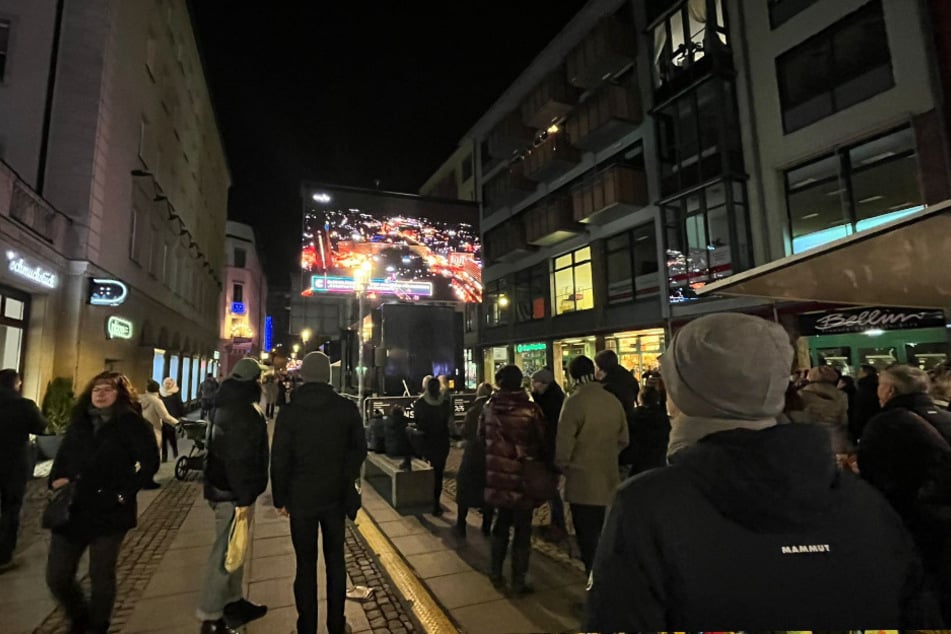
{"x": 59, "y": 509}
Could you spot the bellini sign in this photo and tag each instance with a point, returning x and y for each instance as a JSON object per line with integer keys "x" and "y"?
{"x": 33, "y": 272}
{"x": 865, "y": 319}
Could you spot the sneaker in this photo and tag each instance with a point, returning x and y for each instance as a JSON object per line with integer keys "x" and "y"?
{"x": 152, "y": 485}
{"x": 242, "y": 612}
{"x": 215, "y": 627}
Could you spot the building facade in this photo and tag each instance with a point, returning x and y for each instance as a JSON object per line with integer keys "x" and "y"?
{"x": 243, "y": 307}
{"x": 455, "y": 178}
{"x": 655, "y": 147}
{"x": 119, "y": 176}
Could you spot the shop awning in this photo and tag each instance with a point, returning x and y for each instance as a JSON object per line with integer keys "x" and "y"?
{"x": 904, "y": 263}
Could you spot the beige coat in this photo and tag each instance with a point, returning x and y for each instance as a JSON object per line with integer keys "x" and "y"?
{"x": 592, "y": 430}
{"x": 827, "y": 406}
{"x": 155, "y": 412}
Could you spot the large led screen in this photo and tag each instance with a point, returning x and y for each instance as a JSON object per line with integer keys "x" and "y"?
{"x": 403, "y": 246}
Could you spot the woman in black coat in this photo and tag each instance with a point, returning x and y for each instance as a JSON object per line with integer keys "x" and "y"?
{"x": 108, "y": 454}
{"x": 432, "y": 412}
{"x": 470, "y": 479}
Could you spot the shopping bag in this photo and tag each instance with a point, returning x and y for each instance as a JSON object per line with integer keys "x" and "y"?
{"x": 238, "y": 538}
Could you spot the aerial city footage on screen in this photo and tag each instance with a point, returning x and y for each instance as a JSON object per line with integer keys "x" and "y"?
{"x": 346, "y": 251}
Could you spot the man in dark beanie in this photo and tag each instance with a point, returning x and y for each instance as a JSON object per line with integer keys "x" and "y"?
{"x": 318, "y": 449}
{"x": 591, "y": 431}
{"x": 752, "y": 526}
{"x": 622, "y": 384}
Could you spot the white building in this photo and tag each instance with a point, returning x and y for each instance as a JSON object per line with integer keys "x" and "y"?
{"x": 244, "y": 303}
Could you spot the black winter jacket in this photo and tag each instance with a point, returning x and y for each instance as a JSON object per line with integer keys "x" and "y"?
{"x": 174, "y": 404}
{"x": 432, "y": 418}
{"x": 551, "y": 402}
{"x": 864, "y": 405}
{"x": 319, "y": 447}
{"x": 649, "y": 431}
{"x": 394, "y": 436}
{"x": 237, "y": 461}
{"x": 622, "y": 384}
{"x": 19, "y": 417}
{"x": 108, "y": 468}
{"x": 753, "y": 530}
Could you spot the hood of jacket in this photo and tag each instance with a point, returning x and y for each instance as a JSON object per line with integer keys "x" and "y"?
{"x": 313, "y": 395}
{"x": 435, "y": 401}
{"x": 915, "y": 402}
{"x": 825, "y": 391}
{"x": 779, "y": 479}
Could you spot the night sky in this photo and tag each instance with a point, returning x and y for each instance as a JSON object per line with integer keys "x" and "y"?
{"x": 347, "y": 93}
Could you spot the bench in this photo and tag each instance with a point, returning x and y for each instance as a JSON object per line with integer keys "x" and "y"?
{"x": 404, "y": 490}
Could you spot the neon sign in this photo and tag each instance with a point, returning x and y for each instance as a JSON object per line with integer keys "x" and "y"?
{"x": 118, "y": 328}
{"x": 33, "y": 272}
{"x": 104, "y": 292}
{"x": 530, "y": 347}
{"x": 237, "y": 308}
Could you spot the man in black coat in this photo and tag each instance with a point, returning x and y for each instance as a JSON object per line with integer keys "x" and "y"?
{"x": 550, "y": 397}
{"x": 20, "y": 417}
{"x": 906, "y": 453}
{"x": 318, "y": 449}
{"x": 865, "y": 404}
{"x": 623, "y": 385}
{"x": 752, "y": 526}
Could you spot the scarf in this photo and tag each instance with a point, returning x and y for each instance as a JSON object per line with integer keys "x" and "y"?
{"x": 576, "y": 383}
{"x": 100, "y": 416}
{"x": 685, "y": 430}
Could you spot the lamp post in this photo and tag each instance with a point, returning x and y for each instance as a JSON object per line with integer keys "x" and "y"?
{"x": 361, "y": 279}
{"x": 305, "y": 336}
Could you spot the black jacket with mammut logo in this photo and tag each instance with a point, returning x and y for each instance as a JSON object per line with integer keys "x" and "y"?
{"x": 237, "y": 460}
{"x": 754, "y": 530}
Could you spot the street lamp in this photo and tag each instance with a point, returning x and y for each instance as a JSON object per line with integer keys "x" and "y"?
{"x": 361, "y": 279}
{"x": 296, "y": 348}
{"x": 305, "y": 336}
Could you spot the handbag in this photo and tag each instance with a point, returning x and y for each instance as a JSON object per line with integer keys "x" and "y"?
{"x": 238, "y": 539}
{"x": 59, "y": 509}
{"x": 353, "y": 499}
{"x": 539, "y": 482}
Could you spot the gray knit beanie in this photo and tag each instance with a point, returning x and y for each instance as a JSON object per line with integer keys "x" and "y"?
{"x": 728, "y": 365}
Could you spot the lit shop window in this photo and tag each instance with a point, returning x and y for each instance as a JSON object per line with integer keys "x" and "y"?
{"x": 572, "y": 283}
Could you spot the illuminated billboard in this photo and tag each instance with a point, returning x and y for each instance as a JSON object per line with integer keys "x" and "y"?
{"x": 386, "y": 244}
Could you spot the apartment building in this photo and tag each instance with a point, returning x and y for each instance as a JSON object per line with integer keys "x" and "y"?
{"x": 108, "y": 132}
{"x": 655, "y": 147}
{"x": 243, "y": 308}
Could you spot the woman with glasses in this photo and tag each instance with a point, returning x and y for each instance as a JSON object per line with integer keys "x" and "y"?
{"x": 108, "y": 454}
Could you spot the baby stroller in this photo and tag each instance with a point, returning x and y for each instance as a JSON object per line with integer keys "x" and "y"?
{"x": 195, "y": 431}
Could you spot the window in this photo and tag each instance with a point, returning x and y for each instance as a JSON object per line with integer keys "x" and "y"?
{"x": 843, "y": 65}
{"x": 707, "y": 238}
{"x": 466, "y": 169}
{"x": 572, "y": 283}
{"x": 782, "y": 10}
{"x": 685, "y": 36}
{"x": 531, "y": 289}
{"x": 496, "y": 303}
{"x": 240, "y": 256}
{"x": 237, "y": 293}
{"x": 857, "y": 188}
{"x": 632, "y": 265}
{"x": 4, "y": 46}
{"x": 699, "y": 137}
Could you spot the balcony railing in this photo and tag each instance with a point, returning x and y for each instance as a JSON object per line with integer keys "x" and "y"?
{"x": 551, "y": 100}
{"x": 28, "y": 209}
{"x": 605, "y": 118}
{"x": 607, "y": 50}
{"x": 613, "y": 193}
{"x": 506, "y": 242}
{"x": 509, "y": 136}
{"x": 507, "y": 188}
{"x": 550, "y": 222}
{"x": 551, "y": 159}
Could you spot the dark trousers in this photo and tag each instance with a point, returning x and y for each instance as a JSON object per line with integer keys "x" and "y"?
{"x": 206, "y": 406}
{"x": 521, "y": 521}
{"x": 269, "y": 409}
{"x": 588, "y": 521}
{"x": 12, "y": 491}
{"x": 439, "y": 468}
{"x": 332, "y": 524}
{"x": 169, "y": 438}
{"x": 61, "y": 567}
{"x": 487, "y": 514}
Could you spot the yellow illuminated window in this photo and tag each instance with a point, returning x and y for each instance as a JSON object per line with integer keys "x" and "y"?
{"x": 573, "y": 287}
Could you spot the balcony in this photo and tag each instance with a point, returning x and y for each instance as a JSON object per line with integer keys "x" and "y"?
{"x": 604, "y": 119}
{"x": 509, "y": 136}
{"x": 616, "y": 192}
{"x": 607, "y": 50}
{"x": 507, "y": 188}
{"x": 506, "y": 242}
{"x": 550, "y": 101}
{"x": 31, "y": 211}
{"x": 550, "y": 222}
{"x": 551, "y": 159}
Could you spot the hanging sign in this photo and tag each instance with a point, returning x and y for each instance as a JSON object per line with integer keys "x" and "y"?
{"x": 33, "y": 272}
{"x": 118, "y": 328}
{"x": 106, "y": 292}
{"x": 862, "y": 319}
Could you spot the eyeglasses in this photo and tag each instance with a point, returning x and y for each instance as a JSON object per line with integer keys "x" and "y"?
{"x": 103, "y": 389}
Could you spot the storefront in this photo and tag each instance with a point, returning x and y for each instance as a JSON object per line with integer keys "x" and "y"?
{"x": 494, "y": 358}
{"x": 531, "y": 357}
{"x": 638, "y": 350}
{"x": 567, "y": 349}
{"x": 14, "y": 318}
{"x": 875, "y": 336}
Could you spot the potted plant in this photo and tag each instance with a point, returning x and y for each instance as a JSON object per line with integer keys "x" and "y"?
{"x": 57, "y": 408}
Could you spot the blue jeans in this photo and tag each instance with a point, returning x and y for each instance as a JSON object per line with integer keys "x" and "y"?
{"x": 219, "y": 587}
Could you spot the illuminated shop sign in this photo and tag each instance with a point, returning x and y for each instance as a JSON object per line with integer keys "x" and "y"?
{"x": 118, "y": 328}
{"x": 237, "y": 308}
{"x": 531, "y": 347}
{"x": 33, "y": 272}
{"x": 328, "y": 284}
{"x": 869, "y": 319}
{"x": 106, "y": 292}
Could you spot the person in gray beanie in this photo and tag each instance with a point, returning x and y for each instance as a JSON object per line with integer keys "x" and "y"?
{"x": 318, "y": 449}
{"x": 752, "y": 526}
